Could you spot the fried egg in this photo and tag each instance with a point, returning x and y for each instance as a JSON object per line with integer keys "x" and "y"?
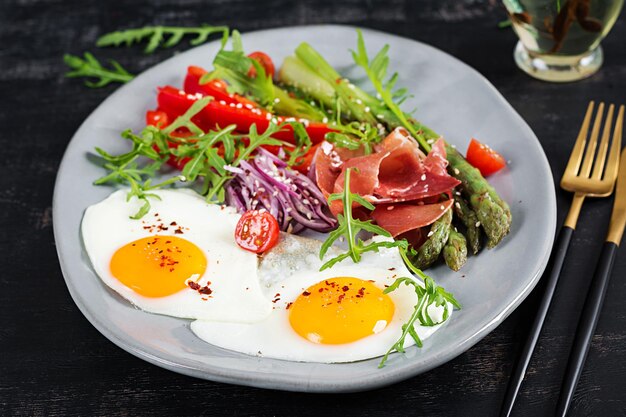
{"x": 337, "y": 315}
{"x": 180, "y": 259}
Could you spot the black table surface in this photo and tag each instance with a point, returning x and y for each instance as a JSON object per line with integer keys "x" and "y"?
{"x": 53, "y": 362}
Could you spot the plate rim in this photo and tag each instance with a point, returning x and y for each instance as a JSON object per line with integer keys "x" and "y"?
{"x": 278, "y": 381}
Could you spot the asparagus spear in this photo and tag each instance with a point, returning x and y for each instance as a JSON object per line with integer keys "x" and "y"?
{"x": 343, "y": 88}
{"x": 493, "y": 213}
{"x": 430, "y": 250}
{"x": 470, "y": 220}
{"x": 455, "y": 250}
{"x": 285, "y": 105}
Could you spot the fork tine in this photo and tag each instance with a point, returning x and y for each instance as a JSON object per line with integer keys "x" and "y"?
{"x": 598, "y": 165}
{"x": 577, "y": 152}
{"x": 590, "y": 153}
{"x": 613, "y": 162}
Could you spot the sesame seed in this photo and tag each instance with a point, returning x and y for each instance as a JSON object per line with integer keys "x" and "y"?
{"x": 430, "y": 233}
{"x": 456, "y": 171}
{"x": 423, "y": 177}
{"x": 442, "y": 207}
{"x": 477, "y": 224}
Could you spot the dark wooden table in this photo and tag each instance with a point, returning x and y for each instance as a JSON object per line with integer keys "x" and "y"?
{"x": 54, "y": 363}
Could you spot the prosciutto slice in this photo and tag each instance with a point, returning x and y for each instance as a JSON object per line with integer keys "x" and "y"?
{"x": 398, "y": 172}
{"x": 401, "y": 218}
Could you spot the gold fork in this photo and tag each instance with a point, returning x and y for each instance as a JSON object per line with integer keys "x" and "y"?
{"x": 597, "y": 185}
{"x": 583, "y": 182}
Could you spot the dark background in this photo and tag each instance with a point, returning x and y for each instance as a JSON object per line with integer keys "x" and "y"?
{"x": 53, "y": 362}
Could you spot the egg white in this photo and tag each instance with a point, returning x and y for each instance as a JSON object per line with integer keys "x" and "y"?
{"x": 232, "y": 271}
{"x": 288, "y": 270}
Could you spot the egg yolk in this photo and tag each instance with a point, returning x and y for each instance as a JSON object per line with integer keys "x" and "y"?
{"x": 157, "y": 266}
{"x": 340, "y": 310}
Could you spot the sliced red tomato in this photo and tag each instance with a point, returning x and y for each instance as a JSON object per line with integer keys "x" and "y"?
{"x": 484, "y": 158}
{"x": 157, "y": 118}
{"x": 214, "y": 88}
{"x": 257, "y": 231}
{"x": 265, "y": 61}
{"x": 307, "y": 159}
{"x": 175, "y": 102}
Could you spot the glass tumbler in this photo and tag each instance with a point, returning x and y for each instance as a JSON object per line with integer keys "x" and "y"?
{"x": 559, "y": 40}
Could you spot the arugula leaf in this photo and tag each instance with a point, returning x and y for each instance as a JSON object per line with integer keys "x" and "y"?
{"x": 349, "y": 228}
{"x": 427, "y": 295}
{"x": 124, "y": 169}
{"x": 156, "y": 36}
{"x": 353, "y": 135}
{"x": 90, "y": 67}
{"x": 302, "y": 145}
{"x": 376, "y": 71}
{"x": 234, "y": 66}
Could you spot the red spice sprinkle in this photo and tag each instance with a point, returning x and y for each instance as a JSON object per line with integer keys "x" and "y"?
{"x": 345, "y": 288}
{"x": 202, "y": 290}
{"x": 321, "y": 290}
{"x": 341, "y": 297}
{"x": 173, "y": 224}
{"x": 392, "y": 269}
{"x": 306, "y": 293}
{"x": 288, "y": 306}
{"x": 362, "y": 291}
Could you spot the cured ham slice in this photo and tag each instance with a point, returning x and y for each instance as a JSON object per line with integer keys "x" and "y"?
{"x": 398, "y": 173}
{"x": 401, "y": 218}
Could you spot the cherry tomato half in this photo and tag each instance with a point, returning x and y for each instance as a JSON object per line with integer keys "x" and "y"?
{"x": 257, "y": 231}
{"x": 265, "y": 61}
{"x": 484, "y": 158}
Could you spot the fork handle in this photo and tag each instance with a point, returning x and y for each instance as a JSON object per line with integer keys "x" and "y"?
{"x": 558, "y": 257}
{"x": 587, "y": 326}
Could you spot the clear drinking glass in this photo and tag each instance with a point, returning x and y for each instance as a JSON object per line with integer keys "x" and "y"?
{"x": 560, "y": 39}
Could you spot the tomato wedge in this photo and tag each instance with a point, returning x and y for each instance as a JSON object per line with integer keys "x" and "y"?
{"x": 215, "y": 88}
{"x": 257, "y": 231}
{"x": 265, "y": 61}
{"x": 157, "y": 118}
{"x": 484, "y": 158}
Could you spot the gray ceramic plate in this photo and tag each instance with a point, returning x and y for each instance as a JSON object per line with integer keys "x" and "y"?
{"x": 450, "y": 96}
